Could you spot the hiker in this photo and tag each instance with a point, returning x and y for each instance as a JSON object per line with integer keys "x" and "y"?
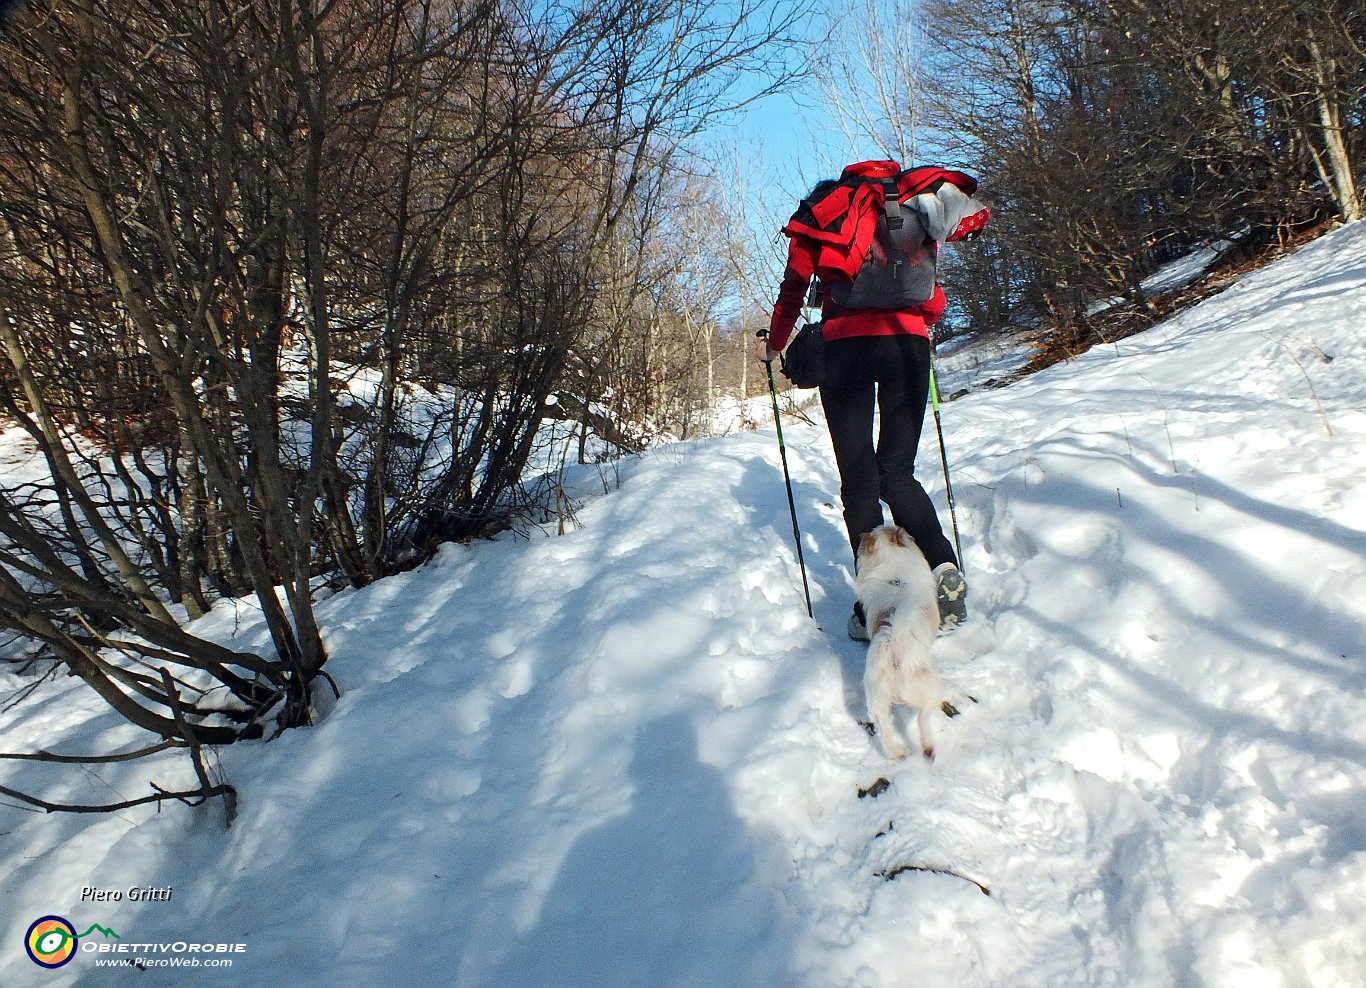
{"x": 877, "y": 340}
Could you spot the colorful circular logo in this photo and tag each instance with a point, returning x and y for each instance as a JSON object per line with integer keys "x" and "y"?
{"x": 50, "y": 941}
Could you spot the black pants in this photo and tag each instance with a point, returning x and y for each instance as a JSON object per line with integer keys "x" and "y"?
{"x": 892, "y": 372}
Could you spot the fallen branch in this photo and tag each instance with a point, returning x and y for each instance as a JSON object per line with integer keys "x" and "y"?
{"x": 127, "y": 756}
{"x": 191, "y": 798}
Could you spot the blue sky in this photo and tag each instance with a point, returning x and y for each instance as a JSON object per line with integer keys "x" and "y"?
{"x": 789, "y": 138}
{"x": 785, "y": 144}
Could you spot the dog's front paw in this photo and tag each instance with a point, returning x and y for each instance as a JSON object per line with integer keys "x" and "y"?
{"x": 897, "y": 753}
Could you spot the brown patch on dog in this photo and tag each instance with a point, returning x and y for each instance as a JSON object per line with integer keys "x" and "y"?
{"x": 900, "y": 537}
{"x": 867, "y": 543}
{"x": 880, "y": 621}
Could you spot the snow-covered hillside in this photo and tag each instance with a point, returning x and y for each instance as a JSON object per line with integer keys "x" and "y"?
{"x": 625, "y": 756}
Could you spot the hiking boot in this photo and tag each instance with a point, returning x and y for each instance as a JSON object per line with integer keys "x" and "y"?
{"x": 858, "y": 624}
{"x": 951, "y": 590}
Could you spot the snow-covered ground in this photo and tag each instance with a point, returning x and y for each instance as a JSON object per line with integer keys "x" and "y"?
{"x": 625, "y": 756}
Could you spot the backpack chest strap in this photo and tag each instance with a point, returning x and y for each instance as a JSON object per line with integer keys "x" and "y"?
{"x": 891, "y": 203}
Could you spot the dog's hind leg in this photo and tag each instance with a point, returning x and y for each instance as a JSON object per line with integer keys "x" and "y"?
{"x": 925, "y": 694}
{"x": 922, "y": 720}
{"x": 892, "y": 745}
{"x": 880, "y": 713}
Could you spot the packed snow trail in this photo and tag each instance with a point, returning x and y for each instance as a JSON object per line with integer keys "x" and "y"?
{"x": 625, "y": 756}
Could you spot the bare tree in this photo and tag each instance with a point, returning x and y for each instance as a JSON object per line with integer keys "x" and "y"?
{"x": 871, "y": 76}
{"x": 1114, "y": 134}
{"x": 233, "y": 238}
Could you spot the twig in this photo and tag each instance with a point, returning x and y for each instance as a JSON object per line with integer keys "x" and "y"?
{"x": 196, "y": 750}
{"x": 1323, "y": 412}
{"x": 797, "y": 412}
{"x": 891, "y": 873}
{"x": 336, "y": 690}
{"x": 22, "y": 694}
{"x": 1166, "y": 421}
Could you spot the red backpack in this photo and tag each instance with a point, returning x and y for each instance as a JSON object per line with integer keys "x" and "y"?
{"x": 872, "y": 252}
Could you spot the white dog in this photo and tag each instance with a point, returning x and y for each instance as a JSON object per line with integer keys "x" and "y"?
{"x": 897, "y": 592}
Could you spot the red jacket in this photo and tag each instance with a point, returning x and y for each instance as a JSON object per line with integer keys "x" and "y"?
{"x": 801, "y": 264}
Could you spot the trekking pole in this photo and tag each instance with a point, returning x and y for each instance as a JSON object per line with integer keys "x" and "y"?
{"x": 787, "y": 479}
{"x": 944, "y": 457}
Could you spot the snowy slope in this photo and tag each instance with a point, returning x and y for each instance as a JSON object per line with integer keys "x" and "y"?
{"x": 625, "y": 756}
